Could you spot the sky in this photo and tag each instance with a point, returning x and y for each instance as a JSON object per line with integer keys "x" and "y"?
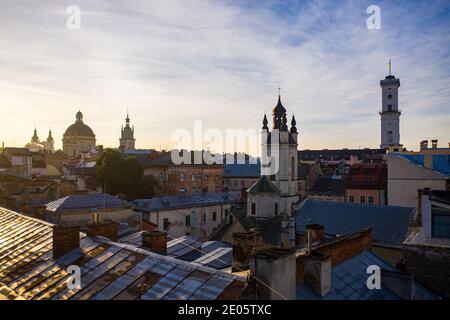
{"x": 171, "y": 63}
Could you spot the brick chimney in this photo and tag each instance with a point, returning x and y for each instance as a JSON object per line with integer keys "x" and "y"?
{"x": 434, "y": 143}
{"x": 318, "y": 272}
{"x": 39, "y": 212}
{"x": 106, "y": 229}
{"x": 274, "y": 270}
{"x": 245, "y": 244}
{"x": 424, "y": 144}
{"x": 65, "y": 240}
{"x": 155, "y": 241}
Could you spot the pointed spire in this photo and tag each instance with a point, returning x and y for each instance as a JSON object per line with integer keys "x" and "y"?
{"x": 35, "y": 138}
{"x": 265, "y": 122}
{"x": 390, "y": 67}
{"x": 50, "y": 138}
{"x": 293, "y": 125}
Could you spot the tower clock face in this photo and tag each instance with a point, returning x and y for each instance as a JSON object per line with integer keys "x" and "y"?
{"x": 389, "y": 96}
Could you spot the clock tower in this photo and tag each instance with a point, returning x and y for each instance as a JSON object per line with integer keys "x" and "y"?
{"x": 390, "y": 113}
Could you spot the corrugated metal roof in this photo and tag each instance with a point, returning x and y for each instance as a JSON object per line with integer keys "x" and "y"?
{"x": 186, "y": 201}
{"x": 348, "y": 282}
{"x": 88, "y": 201}
{"x": 109, "y": 270}
{"x": 213, "y": 254}
{"x": 389, "y": 224}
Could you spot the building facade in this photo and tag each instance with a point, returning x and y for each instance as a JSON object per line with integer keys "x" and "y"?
{"x": 78, "y": 138}
{"x": 366, "y": 183}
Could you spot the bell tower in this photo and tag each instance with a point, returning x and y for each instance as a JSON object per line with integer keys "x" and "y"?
{"x": 390, "y": 113}
{"x": 127, "y": 140}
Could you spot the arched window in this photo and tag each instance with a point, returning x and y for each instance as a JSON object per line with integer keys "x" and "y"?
{"x": 253, "y": 208}
{"x": 276, "y": 209}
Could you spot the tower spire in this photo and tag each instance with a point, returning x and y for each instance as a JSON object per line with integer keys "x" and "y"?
{"x": 390, "y": 67}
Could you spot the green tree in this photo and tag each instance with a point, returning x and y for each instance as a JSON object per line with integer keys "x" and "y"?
{"x": 118, "y": 175}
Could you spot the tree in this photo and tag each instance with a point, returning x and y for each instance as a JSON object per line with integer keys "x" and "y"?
{"x": 118, "y": 175}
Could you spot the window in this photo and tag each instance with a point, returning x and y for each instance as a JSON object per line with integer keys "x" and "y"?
{"x": 440, "y": 225}
{"x": 226, "y": 212}
{"x": 214, "y": 216}
{"x": 370, "y": 199}
{"x": 390, "y": 107}
{"x": 161, "y": 176}
{"x": 166, "y": 224}
{"x": 292, "y": 168}
{"x": 188, "y": 221}
{"x": 181, "y": 176}
{"x": 253, "y": 208}
{"x": 204, "y": 217}
{"x": 193, "y": 177}
{"x": 362, "y": 199}
{"x": 276, "y": 209}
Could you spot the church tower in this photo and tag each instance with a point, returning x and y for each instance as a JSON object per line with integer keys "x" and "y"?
{"x": 127, "y": 141}
{"x": 277, "y": 191}
{"x": 390, "y": 113}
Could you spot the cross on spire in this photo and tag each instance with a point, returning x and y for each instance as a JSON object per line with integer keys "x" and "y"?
{"x": 279, "y": 90}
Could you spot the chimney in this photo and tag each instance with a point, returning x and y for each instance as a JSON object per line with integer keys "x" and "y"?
{"x": 65, "y": 240}
{"x": 424, "y": 144}
{"x": 291, "y": 232}
{"x": 155, "y": 241}
{"x": 318, "y": 272}
{"x": 245, "y": 244}
{"x": 39, "y": 212}
{"x": 434, "y": 143}
{"x": 428, "y": 161}
{"x": 426, "y": 212}
{"x": 316, "y": 230}
{"x": 106, "y": 229}
{"x": 274, "y": 270}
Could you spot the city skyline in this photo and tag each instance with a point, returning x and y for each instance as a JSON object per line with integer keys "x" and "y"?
{"x": 172, "y": 64}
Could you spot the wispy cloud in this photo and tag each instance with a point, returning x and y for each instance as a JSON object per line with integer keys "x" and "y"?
{"x": 174, "y": 62}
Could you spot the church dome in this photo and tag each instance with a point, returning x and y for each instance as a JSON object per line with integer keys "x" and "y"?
{"x": 79, "y": 128}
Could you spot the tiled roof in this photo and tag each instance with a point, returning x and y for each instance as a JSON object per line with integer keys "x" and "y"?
{"x": 91, "y": 200}
{"x": 389, "y": 224}
{"x": 109, "y": 270}
{"x": 244, "y": 170}
{"x": 17, "y": 151}
{"x": 441, "y": 162}
{"x": 186, "y": 201}
{"x": 328, "y": 185}
{"x": 348, "y": 282}
{"x": 263, "y": 185}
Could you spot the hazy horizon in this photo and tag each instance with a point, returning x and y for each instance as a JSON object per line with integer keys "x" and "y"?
{"x": 221, "y": 62}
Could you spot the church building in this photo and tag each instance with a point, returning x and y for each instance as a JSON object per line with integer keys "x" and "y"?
{"x": 45, "y": 146}
{"x": 78, "y": 138}
{"x": 276, "y": 192}
{"x": 127, "y": 140}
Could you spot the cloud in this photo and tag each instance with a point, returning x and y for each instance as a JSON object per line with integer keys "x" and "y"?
{"x": 174, "y": 62}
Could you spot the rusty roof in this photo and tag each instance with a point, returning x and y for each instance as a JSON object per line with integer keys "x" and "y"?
{"x": 109, "y": 270}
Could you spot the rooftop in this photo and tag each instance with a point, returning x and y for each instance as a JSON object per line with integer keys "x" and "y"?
{"x": 441, "y": 162}
{"x": 328, "y": 185}
{"x": 263, "y": 185}
{"x": 242, "y": 170}
{"x": 86, "y": 201}
{"x": 348, "y": 282}
{"x": 389, "y": 224}
{"x": 186, "y": 201}
{"x": 109, "y": 270}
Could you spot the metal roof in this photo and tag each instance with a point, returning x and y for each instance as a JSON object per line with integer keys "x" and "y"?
{"x": 242, "y": 170}
{"x": 186, "y": 201}
{"x": 87, "y": 201}
{"x": 109, "y": 270}
{"x": 348, "y": 282}
{"x": 441, "y": 162}
{"x": 263, "y": 185}
{"x": 389, "y": 224}
{"x": 214, "y": 254}
{"x": 328, "y": 185}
